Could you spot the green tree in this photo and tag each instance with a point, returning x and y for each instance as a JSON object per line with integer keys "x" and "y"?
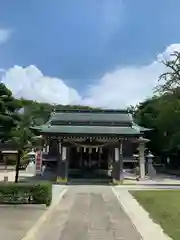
{"x": 170, "y": 79}
{"x": 162, "y": 114}
{"x": 9, "y": 116}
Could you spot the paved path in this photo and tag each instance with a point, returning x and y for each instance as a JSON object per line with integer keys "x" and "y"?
{"x": 16, "y": 220}
{"x": 88, "y": 213}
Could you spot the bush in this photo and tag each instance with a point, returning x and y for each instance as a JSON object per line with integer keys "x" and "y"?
{"x": 26, "y": 193}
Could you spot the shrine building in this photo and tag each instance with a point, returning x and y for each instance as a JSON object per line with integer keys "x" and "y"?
{"x": 93, "y": 142}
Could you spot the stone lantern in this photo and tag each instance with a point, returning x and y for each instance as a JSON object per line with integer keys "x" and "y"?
{"x": 151, "y": 170}
{"x": 150, "y": 157}
{"x": 142, "y": 146}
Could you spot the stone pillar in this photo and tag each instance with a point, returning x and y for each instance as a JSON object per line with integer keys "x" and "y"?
{"x": 142, "y": 160}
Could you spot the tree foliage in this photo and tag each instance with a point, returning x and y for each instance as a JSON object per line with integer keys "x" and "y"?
{"x": 9, "y": 116}
{"x": 170, "y": 79}
{"x": 17, "y": 115}
{"x": 162, "y": 112}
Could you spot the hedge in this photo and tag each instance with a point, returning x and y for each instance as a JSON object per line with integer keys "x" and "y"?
{"x": 26, "y": 193}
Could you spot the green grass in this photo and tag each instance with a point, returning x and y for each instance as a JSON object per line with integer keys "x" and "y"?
{"x": 163, "y": 207}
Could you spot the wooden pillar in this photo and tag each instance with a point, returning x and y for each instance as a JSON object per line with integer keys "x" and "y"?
{"x": 67, "y": 162}
{"x": 62, "y": 163}
{"x": 116, "y": 165}
{"x": 59, "y": 161}
{"x": 121, "y": 160}
{"x": 89, "y": 158}
{"x": 47, "y": 146}
{"x": 99, "y": 159}
{"x": 81, "y": 153}
{"x": 109, "y": 162}
{"x": 117, "y": 171}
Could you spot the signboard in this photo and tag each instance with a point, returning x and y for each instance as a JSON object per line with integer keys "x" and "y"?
{"x": 38, "y": 162}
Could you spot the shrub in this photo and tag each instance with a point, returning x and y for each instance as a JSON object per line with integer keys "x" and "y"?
{"x": 26, "y": 193}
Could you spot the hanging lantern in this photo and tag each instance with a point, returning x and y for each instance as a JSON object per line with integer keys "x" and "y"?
{"x": 90, "y": 150}
{"x": 84, "y": 149}
{"x": 96, "y": 149}
{"x": 78, "y": 149}
{"x": 101, "y": 150}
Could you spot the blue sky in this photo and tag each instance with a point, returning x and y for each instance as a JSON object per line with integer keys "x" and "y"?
{"x": 81, "y": 41}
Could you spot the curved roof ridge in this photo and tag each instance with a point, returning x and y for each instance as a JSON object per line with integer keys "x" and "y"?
{"x": 140, "y": 128}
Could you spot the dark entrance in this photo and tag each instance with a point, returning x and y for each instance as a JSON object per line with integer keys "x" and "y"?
{"x": 88, "y": 163}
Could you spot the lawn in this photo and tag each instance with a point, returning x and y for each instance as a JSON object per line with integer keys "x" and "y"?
{"x": 164, "y": 208}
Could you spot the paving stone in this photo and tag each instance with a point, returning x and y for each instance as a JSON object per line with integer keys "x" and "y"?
{"x": 16, "y": 220}
{"x": 89, "y": 213}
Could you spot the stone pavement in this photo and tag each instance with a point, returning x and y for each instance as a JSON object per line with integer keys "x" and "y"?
{"x": 159, "y": 179}
{"x": 88, "y": 213}
{"x": 15, "y": 221}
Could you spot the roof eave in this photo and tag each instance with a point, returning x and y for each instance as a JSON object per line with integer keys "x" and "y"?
{"x": 142, "y": 129}
{"x": 91, "y": 134}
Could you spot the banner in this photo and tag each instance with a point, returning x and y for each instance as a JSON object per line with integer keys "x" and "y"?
{"x": 38, "y": 162}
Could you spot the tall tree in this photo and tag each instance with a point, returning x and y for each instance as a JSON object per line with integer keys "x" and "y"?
{"x": 9, "y": 116}
{"x": 162, "y": 114}
{"x": 170, "y": 79}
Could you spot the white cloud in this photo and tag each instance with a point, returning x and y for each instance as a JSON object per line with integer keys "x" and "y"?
{"x": 125, "y": 86}
{"x": 30, "y": 83}
{"x": 116, "y": 89}
{"x": 128, "y": 85}
{"x": 4, "y": 35}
